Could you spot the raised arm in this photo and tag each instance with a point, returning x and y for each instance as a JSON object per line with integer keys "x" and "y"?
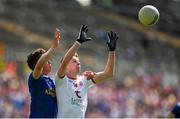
{"x": 82, "y": 37}
{"x": 46, "y": 56}
{"x": 109, "y": 68}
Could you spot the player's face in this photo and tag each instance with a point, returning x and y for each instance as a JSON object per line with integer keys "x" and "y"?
{"x": 74, "y": 65}
{"x": 47, "y": 67}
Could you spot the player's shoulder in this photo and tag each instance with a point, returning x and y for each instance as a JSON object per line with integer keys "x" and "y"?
{"x": 175, "y": 112}
{"x": 31, "y": 76}
{"x": 177, "y": 105}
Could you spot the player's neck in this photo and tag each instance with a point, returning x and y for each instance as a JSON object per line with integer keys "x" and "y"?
{"x": 71, "y": 76}
{"x": 45, "y": 73}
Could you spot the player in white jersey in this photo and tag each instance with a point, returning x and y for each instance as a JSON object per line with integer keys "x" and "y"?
{"x": 71, "y": 88}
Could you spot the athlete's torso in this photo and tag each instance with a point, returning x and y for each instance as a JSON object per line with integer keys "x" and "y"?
{"x": 72, "y": 96}
{"x": 43, "y": 97}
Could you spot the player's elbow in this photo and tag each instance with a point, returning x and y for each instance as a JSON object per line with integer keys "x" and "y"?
{"x": 109, "y": 74}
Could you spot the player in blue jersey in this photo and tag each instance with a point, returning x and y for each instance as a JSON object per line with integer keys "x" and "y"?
{"x": 41, "y": 86}
{"x": 175, "y": 112}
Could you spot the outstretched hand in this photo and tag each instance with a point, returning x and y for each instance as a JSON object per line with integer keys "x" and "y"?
{"x": 56, "y": 38}
{"x": 89, "y": 74}
{"x": 112, "y": 39}
{"x": 83, "y": 34}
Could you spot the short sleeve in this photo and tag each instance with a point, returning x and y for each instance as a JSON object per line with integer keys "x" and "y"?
{"x": 34, "y": 85}
{"x": 58, "y": 81}
{"x": 33, "y": 80}
{"x": 176, "y": 109}
{"x": 90, "y": 83}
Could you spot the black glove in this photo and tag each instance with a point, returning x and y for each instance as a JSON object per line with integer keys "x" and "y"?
{"x": 82, "y": 34}
{"x": 112, "y": 38}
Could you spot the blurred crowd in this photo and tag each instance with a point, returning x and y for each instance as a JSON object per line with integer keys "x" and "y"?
{"x": 138, "y": 96}
{"x": 135, "y": 96}
{"x": 129, "y": 94}
{"x": 14, "y": 95}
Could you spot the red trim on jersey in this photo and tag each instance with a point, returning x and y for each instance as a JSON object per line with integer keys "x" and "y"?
{"x": 71, "y": 77}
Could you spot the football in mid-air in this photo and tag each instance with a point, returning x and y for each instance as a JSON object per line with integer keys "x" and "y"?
{"x": 148, "y": 15}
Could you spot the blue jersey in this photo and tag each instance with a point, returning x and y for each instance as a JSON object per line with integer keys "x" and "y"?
{"x": 176, "y": 110}
{"x": 43, "y": 97}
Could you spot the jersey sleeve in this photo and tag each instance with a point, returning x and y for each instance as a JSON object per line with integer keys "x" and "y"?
{"x": 176, "y": 109}
{"x": 34, "y": 85}
{"x": 58, "y": 81}
{"x": 33, "y": 80}
{"x": 90, "y": 83}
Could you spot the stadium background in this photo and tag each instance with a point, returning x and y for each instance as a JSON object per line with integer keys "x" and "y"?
{"x": 146, "y": 81}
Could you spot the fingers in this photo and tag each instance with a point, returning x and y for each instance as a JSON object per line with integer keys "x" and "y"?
{"x": 83, "y": 34}
{"x": 56, "y": 38}
{"x": 86, "y": 73}
{"x": 89, "y": 74}
{"x": 116, "y": 36}
{"x": 81, "y": 27}
{"x": 88, "y": 39}
{"x": 112, "y": 36}
{"x": 109, "y": 36}
{"x": 84, "y": 28}
{"x": 57, "y": 33}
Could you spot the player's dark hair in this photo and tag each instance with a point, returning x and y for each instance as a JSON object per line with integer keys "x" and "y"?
{"x": 34, "y": 57}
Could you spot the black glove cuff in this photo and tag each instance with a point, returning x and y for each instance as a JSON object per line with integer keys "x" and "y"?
{"x": 80, "y": 41}
{"x": 111, "y": 49}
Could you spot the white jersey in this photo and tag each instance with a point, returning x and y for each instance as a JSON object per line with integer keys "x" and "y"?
{"x": 72, "y": 96}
